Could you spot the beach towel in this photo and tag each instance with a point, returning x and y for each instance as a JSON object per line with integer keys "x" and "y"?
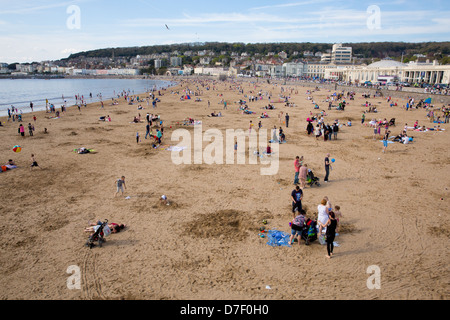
{"x": 278, "y": 238}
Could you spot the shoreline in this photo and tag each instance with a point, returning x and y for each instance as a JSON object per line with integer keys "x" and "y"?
{"x": 39, "y": 104}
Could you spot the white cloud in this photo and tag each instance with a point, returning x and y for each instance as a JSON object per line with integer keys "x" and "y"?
{"x": 292, "y": 4}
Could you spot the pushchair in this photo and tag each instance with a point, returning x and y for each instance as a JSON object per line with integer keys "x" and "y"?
{"x": 392, "y": 122}
{"x": 311, "y": 179}
{"x": 99, "y": 235}
{"x": 309, "y": 232}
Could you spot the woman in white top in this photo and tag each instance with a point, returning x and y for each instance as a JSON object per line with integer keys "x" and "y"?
{"x": 322, "y": 217}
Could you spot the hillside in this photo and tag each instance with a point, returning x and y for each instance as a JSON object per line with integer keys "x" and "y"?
{"x": 366, "y": 50}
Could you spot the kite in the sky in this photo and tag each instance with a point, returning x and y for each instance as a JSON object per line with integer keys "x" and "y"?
{"x": 167, "y": 27}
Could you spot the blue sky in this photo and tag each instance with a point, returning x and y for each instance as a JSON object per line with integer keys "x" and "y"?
{"x": 37, "y": 30}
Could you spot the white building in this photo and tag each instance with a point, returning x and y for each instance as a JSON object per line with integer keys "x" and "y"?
{"x": 325, "y": 58}
{"x": 294, "y": 69}
{"x": 318, "y": 70}
{"x": 276, "y": 71}
{"x": 431, "y": 73}
{"x": 159, "y": 63}
{"x": 205, "y": 60}
{"x": 210, "y": 71}
{"x": 340, "y": 54}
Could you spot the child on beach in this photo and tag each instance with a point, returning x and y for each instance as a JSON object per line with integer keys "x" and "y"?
{"x": 34, "y": 162}
{"x": 120, "y": 183}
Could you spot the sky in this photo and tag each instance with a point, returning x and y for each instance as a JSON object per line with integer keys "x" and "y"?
{"x": 38, "y": 30}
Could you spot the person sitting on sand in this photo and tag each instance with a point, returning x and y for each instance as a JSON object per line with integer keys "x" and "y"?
{"x": 214, "y": 114}
{"x": 269, "y": 149}
{"x": 164, "y": 200}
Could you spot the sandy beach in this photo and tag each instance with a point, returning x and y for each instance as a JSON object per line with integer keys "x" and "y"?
{"x": 206, "y": 243}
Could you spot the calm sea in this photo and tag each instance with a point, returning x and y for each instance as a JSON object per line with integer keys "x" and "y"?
{"x": 20, "y": 92}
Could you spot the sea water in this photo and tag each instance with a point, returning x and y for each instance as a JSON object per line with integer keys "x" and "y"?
{"x": 20, "y": 92}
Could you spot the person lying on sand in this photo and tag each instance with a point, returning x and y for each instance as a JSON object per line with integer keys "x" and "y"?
{"x": 214, "y": 114}
{"x": 82, "y": 150}
{"x": 115, "y": 228}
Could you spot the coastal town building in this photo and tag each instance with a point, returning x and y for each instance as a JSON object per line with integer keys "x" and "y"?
{"x": 431, "y": 73}
{"x": 176, "y": 61}
{"x": 340, "y": 54}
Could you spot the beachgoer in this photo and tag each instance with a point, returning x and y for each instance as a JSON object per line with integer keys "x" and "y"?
{"x": 120, "y": 183}
{"x": 322, "y": 217}
{"x": 158, "y": 135}
{"x": 327, "y": 167}
{"x": 385, "y": 140}
{"x": 297, "y": 196}
{"x": 330, "y": 233}
{"x": 164, "y": 200}
{"x": 22, "y": 130}
{"x": 303, "y": 175}
{"x": 114, "y": 227}
{"x": 335, "y": 130}
{"x": 34, "y": 162}
{"x": 297, "y": 225}
{"x": 147, "y": 128}
{"x": 297, "y": 166}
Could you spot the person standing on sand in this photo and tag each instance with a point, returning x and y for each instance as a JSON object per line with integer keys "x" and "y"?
{"x": 30, "y": 129}
{"x": 322, "y": 218}
{"x": 120, "y": 184}
{"x": 147, "y": 128}
{"x": 297, "y": 196}
{"x": 303, "y": 175}
{"x": 137, "y": 137}
{"x": 327, "y": 167}
{"x": 385, "y": 140}
{"x": 297, "y": 166}
{"x": 22, "y": 130}
{"x": 287, "y": 120}
{"x": 330, "y": 233}
{"x": 34, "y": 162}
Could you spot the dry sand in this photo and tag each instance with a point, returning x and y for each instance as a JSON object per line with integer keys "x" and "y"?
{"x": 205, "y": 245}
